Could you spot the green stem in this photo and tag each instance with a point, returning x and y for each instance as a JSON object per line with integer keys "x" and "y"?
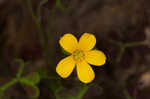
{"x": 134, "y": 44}
{"x": 21, "y": 68}
{"x": 44, "y": 42}
{"x": 62, "y": 7}
{"x": 59, "y": 5}
{"x": 122, "y": 49}
{"x": 7, "y": 85}
{"x": 37, "y": 92}
{"x": 123, "y": 46}
{"x": 51, "y": 23}
{"x": 115, "y": 42}
{"x": 39, "y": 8}
{"x": 82, "y": 91}
{"x": 127, "y": 94}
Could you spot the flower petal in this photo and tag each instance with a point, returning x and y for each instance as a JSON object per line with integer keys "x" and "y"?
{"x": 68, "y": 42}
{"x": 95, "y": 57}
{"x": 87, "y": 41}
{"x": 65, "y": 67}
{"x": 85, "y": 72}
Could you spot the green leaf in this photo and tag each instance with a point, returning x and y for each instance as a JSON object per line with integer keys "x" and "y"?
{"x": 56, "y": 86}
{"x": 37, "y": 92}
{"x": 31, "y": 79}
{"x": 71, "y": 97}
{"x": 4, "y": 87}
{"x": 43, "y": 72}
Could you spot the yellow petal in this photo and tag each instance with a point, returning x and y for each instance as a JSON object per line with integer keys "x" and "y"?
{"x": 68, "y": 42}
{"x": 65, "y": 67}
{"x": 85, "y": 72}
{"x": 87, "y": 41}
{"x": 95, "y": 57}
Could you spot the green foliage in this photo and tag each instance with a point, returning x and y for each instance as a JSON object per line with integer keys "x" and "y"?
{"x": 20, "y": 71}
{"x": 55, "y": 83}
{"x": 124, "y": 46}
{"x": 32, "y": 80}
{"x": 4, "y": 87}
{"x": 62, "y": 7}
{"x": 56, "y": 86}
{"x": 43, "y": 73}
{"x": 82, "y": 91}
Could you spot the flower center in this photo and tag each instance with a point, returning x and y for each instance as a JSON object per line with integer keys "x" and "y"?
{"x": 78, "y": 55}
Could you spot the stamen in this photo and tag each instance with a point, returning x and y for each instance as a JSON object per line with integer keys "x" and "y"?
{"x": 78, "y": 55}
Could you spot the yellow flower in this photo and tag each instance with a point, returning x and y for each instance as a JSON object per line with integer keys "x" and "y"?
{"x": 81, "y": 56}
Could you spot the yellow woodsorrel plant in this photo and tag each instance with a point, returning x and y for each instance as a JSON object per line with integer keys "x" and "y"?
{"x": 81, "y": 56}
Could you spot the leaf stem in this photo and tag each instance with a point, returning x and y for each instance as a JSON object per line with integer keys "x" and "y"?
{"x": 82, "y": 91}
{"x": 44, "y": 42}
{"x": 21, "y": 68}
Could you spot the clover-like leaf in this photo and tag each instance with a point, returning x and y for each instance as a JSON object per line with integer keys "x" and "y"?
{"x": 37, "y": 92}
{"x": 56, "y": 86}
{"x": 32, "y": 90}
{"x": 31, "y": 79}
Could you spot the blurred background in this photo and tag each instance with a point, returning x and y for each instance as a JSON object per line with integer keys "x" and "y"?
{"x": 29, "y": 48}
